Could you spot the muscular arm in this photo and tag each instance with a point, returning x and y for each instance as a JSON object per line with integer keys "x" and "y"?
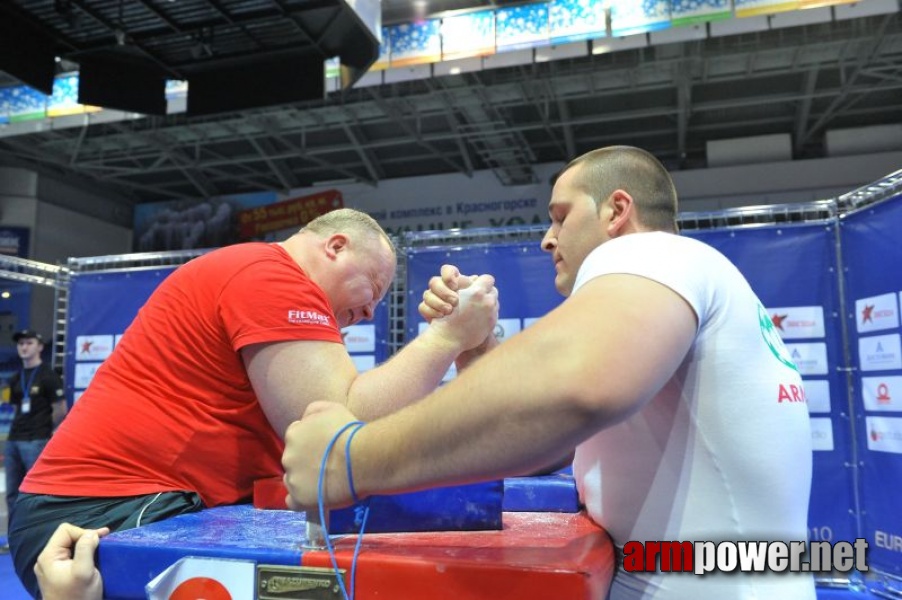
{"x": 587, "y": 365}
{"x": 288, "y": 376}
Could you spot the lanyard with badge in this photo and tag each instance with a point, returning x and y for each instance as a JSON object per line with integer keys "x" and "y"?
{"x": 26, "y": 390}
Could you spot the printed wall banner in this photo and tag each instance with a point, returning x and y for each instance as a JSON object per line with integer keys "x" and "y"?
{"x": 750, "y": 8}
{"x": 294, "y": 213}
{"x": 84, "y": 373}
{"x": 880, "y": 352}
{"x": 687, "y": 12}
{"x": 521, "y": 26}
{"x": 415, "y": 43}
{"x": 575, "y": 20}
{"x": 25, "y": 103}
{"x": 884, "y": 434}
{"x": 505, "y": 328}
{"x": 14, "y": 241}
{"x": 822, "y": 434}
{"x": 359, "y": 338}
{"x": 471, "y": 34}
{"x": 191, "y": 224}
{"x": 384, "y": 52}
{"x": 629, "y": 17}
{"x": 811, "y": 359}
{"x": 798, "y": 322}
{"x": 817, "y": 391}
{"x": 803, "y": 4}
{"x": 64, "y": 100}
{"x": 363, "y": 362}
{"x": 876, "y": 313}
{"x": 93, "y": 347}
{"x": 882, "y": 393}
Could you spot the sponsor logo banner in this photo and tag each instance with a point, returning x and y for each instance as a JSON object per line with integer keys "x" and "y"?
{"x": 817, "y": 391}
{"x": 876, "y": 313}
{"x": 363, "y": 362}
{"x": 84, "y": 373}
{"x": 880, "y": 352}
{"x": 882, "y": 393}
{"x": 822, "y": 434}
{"x": 359, "y": 338}
{"x": 810, "y": 359}
{"x": 884, "y": 434}
{"x": 798, "y": 322}
{"x": 93, "y": 347}
{"x": 505, "y": 328}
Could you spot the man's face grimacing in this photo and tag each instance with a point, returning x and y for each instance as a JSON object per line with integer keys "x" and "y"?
{"x": 576, "y": 229}
{"x": 362, "y": 278}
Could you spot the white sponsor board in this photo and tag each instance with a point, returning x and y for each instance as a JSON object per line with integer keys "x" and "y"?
{"x": 811, "y": 359}
{"x": 363, "y": 362}
{"x": 882, "y": 393}
{"x": 884, "y": 434}
{"x": 798, "y": 322}
{"x": 359, "y": 338}
{"x": 822, "y": 434}
{"x": 880, "y": 352}
{"x": 505, "y": 328}
{"x": 93, "y": 347}
{"x": 84, "y": 373}
{"x": 817, "y": 391}
{"x": 876, "y": 313}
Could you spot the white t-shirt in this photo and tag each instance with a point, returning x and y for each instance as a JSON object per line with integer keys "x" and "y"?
{"x": 715, "y": 455}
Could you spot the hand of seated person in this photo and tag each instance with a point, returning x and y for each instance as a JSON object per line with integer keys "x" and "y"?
{"x": 65, "y": 568}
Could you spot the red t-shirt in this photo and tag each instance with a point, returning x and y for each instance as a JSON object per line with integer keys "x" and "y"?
{"x": 172, "y": 408}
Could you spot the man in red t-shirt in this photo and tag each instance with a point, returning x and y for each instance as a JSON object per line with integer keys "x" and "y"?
{"x": 191, "y": 407}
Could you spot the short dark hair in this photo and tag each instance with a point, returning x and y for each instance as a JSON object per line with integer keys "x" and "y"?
{"x": 634, "y": 171}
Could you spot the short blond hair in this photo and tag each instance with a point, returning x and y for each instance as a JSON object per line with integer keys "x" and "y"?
{"x": 344, "y": 219}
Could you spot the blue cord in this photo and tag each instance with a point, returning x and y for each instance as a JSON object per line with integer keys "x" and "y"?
{"x": 361, "y": 513}
{"x": 322, "y": 513}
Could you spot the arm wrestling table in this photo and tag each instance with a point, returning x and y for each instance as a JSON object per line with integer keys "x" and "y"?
{"x": 557, "y": 553}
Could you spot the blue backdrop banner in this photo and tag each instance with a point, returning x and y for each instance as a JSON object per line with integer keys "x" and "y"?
{"x": 872, "y": 258}
{"x": 793, "y": 270}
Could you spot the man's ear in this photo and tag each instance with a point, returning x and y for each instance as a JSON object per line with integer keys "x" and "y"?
{"x": 335, "y": 243}
{"x": 622, "y": 210}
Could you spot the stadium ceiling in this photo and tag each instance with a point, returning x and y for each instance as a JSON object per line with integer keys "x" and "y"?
{"x": 670, "y": 98}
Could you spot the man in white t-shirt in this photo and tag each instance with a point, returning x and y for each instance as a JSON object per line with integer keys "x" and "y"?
{"x": 661, "y": 367}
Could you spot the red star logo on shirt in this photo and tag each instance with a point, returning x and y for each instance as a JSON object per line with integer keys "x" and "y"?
{"x": 866, "y": 313}
{"x": 86, "y": 347}
{"x": 778, "y": 321}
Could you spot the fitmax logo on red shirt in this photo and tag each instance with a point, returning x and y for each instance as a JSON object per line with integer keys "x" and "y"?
{"x": 308, "y": 317}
